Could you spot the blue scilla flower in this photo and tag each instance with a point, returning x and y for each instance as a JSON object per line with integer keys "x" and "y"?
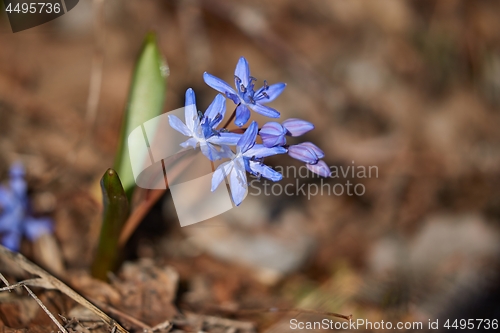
{"x": 297, "y": 127}
{"x": 309, "y": 153}
{"x": 15, "y": 220}
{"x": 306, "y": 152}
{"x": 248, "y": 157}
{"x": 245, "y": 97}
{"x": 320, "y": 168}
{"x": 273, "y": 133}
{"x": 202, "y": 130}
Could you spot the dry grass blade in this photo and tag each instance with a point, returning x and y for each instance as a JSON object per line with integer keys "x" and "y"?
{"x": 51, "y": 316}
{"x": 48, "y": 281}
{"x": 32, "y": 294}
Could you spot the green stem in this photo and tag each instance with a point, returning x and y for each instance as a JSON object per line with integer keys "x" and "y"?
{"x": 116, "y": 212}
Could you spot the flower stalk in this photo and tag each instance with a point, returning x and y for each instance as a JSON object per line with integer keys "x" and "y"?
{"x": 116, "y": 212}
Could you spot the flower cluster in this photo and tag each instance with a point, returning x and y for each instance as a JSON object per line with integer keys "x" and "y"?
{"x": 247, "y": 155}
{"x": 15, "y": 219}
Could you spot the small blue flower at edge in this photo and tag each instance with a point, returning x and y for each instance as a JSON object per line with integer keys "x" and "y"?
{"x": 248, "y": 157}
{"x": 203, "y": 131}
{"x": 309, "y": 153}
{"x": 273, "y": 134}
{"x": 15, "y": 220}
{"x": 244, "y": 96}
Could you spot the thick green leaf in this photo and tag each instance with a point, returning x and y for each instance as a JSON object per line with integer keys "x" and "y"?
{"x": 146, "y": 99}
{"x": 116, "y": 212}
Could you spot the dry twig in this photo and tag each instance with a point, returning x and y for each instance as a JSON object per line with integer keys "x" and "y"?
{"x": 48, "y": 281}
{"x": 32, "y": 294}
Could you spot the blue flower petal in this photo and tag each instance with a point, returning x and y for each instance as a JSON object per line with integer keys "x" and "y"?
{"x": 220, "y": 85}
{"x": 272, "y": 128}
{"x": 320, "y": 168}
{"x": 11, "y": 215}
{"x": 226, "y": 152}
{"x": 242, "y": 115}
{"x": 238, "y": 182}
{"x": 17, "y": 170}
{"x": 297, "y": 127}
{"x": 191, "y": 112}
{"x": 302, "y": 153}
{"x": 191, "y": 142}
{"x": 273, "y": 134}
{"x": 11, "y": 240}
{"x": 178, "y": 125}
{"x": 220, "y": 173}
{"x": 274, "y": 141}
{"x": 218, "y": 106}
{"x": 6, "y": 199}
{"x": 269, "y": 93}
{"x": 235, "y": 98}
{"x": 247, "y": 140}
{"x": 319, "y": 153}
{"x": 242, "y": 72}
{"x": 14, "y": 219}
{"x": 35, "y": 227}
{"x": 8, "y": 222}
{"x": 225, "y": 138}
{"x": 265, "y": 171}
{"x": 210, "y": 152}
{"x": 265, "y": 110}
{"x": 259, "y": 151}
{"x": 18, "y": 187}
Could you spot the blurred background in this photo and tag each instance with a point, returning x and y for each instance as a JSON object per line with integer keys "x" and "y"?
{"x": 410, "y": 87}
